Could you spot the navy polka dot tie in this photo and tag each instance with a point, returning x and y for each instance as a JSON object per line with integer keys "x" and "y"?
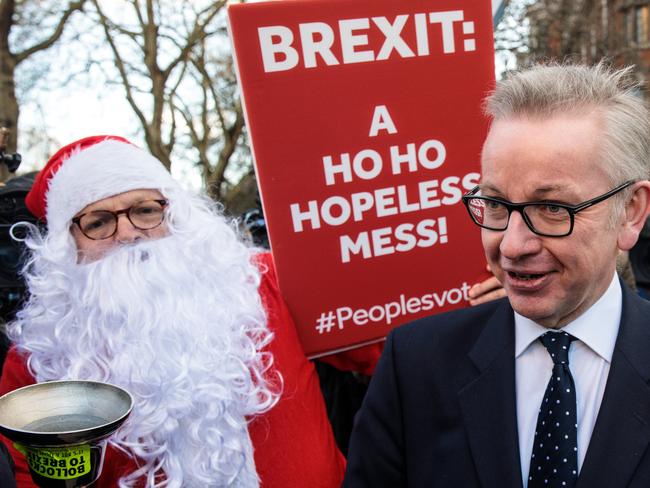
{"x": 554, "y": 463}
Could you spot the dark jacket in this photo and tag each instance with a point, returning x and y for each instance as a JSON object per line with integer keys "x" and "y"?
{"x": 6, "y": 469}
{"x": 441, "y": 407}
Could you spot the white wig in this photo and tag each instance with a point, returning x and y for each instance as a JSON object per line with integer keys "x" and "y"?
{"x": 178, "y": 322}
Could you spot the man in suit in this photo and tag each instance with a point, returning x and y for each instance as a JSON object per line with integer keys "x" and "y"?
{"x": 549, "y": 386}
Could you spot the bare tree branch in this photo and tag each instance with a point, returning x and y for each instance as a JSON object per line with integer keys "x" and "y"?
{"x": 198, "y": 33}
{"x": 49, "y": 41}
{"x": 120, "y": 65}
{"x": 177, "y": 91}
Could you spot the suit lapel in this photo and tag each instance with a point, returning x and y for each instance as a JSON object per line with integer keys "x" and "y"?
{"x": 489, "y": 406}
{"x": 622, "y": 431}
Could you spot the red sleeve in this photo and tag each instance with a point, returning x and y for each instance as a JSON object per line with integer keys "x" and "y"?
{"x": 361, "y": 359}
{"x": 15, "y": 375}
{"x": 294, "y": 444}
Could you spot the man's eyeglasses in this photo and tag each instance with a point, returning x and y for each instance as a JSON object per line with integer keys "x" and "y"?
{"x": 548, "y": 219}
{"x": 102, "y": 224}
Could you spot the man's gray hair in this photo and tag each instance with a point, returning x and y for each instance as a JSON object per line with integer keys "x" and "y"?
{"x": 549, "y": 89}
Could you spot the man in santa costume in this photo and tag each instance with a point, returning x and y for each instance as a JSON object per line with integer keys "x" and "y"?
{"x": 140, "y": 284}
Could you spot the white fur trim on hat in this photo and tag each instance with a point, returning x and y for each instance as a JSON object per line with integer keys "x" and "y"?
{"x": 100, "y": 171}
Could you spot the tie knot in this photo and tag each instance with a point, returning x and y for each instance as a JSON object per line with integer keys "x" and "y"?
{"x": 558, "y": 344}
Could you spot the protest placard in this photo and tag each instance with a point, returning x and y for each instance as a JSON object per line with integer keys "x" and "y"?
{"x": 366, "y": 128}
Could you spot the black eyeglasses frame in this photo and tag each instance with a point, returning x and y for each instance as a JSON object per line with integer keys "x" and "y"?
{"x": 520, "y": 207}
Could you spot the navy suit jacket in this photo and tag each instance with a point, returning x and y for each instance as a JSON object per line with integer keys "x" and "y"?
{"x": 441, "y": 407}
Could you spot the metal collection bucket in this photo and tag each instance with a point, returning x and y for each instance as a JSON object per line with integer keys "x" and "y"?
{"x": 62, "y": 428}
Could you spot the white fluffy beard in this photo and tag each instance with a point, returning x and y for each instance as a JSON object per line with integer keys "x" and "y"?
{"x": 181, "y": 333}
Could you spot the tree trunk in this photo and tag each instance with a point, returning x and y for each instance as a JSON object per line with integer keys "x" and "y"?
{"x": 8, "y": 103}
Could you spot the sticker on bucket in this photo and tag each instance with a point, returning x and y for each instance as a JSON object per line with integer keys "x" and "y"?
{"x": 59, "y": 463}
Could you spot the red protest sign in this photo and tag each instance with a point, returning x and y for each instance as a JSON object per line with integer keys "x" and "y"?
{"x": 366, "y": 128}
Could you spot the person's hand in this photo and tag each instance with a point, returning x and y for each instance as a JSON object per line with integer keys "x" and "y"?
{"x": 485, "y": 291}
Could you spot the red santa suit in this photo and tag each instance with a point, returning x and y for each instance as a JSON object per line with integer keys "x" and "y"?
{"x": 293, "y": 442}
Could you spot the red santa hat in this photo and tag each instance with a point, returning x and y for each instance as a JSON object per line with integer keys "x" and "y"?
{"x": 89, "y": 170}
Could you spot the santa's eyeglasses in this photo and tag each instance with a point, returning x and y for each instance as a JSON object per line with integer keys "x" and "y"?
{"x": 102, "y": 224}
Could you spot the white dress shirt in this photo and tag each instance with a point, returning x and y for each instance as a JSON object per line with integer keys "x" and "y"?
{"x": 590, "y": 357}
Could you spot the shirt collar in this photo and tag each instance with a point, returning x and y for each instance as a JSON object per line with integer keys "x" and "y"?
{"x": 597, "y": 327}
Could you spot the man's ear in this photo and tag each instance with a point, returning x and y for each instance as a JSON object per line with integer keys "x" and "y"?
{"x": 637, "y": 209}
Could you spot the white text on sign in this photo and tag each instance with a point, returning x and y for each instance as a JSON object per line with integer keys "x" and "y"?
{"x": 279, "y": 51}
{"x": 387, "y": 313}
{"x": 368, "y": 164}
